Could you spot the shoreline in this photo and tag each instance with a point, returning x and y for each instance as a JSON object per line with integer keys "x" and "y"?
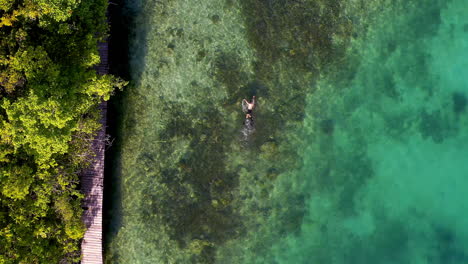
{"x": 118, "y": 66}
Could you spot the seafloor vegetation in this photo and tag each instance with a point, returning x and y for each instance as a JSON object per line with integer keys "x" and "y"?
{"x": 187, "y": 177}
{"x": 49, "y": 95}
{"x": 332, "y": 78}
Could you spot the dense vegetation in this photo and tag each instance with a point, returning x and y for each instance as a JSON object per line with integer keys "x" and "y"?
{"x": 49, "y": 95}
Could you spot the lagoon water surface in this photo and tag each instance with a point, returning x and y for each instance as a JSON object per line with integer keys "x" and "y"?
{"x": 360, "y": 153}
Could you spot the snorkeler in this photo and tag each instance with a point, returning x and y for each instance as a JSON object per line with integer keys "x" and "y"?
{"x": 249, "y": 124}
{"x": 250, "y": 107}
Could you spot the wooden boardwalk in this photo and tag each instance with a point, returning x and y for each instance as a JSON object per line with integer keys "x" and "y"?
{"x": 92, "y": 183}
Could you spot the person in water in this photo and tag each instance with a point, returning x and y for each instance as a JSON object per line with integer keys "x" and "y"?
{"x": 249, "y": 126}
{"x": 250, "y": 107}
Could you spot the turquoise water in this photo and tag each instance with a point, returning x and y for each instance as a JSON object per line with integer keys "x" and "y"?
{"x": 360, "y": 148}
{"x": 388, "y": 185}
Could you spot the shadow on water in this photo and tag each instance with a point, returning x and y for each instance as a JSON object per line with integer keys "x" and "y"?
{"x": 122, "y": 18}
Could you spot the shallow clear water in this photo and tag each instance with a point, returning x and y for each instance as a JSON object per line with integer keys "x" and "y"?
{"x": 388, "y": 186}
{"x": 360, "y": 148}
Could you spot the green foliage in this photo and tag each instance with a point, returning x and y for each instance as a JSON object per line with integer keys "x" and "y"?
{"x": 16, "y": 181}
{"x": 46, "y": 11}
{"x": 6, "y": 5}
{"x": 102, "y": 86}
{"x": 49, "y": 93}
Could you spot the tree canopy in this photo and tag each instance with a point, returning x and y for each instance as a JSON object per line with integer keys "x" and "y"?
{"x": 49, "y": 93}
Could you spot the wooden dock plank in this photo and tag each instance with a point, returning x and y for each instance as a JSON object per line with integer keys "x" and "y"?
{"x": 92, "y": 183}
